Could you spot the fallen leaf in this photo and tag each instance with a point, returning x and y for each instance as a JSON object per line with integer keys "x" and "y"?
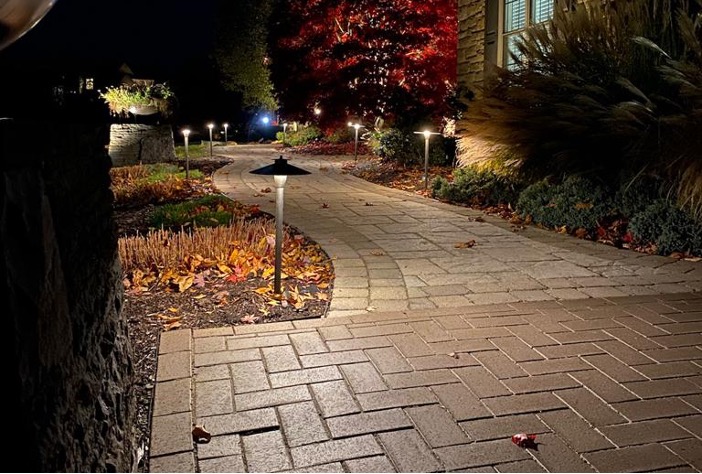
{"x": 266, "y": 190}
{"x": 248, "y": 319}
{"x": 377, "y": 253}
{"x": 370, "y": 204}
{"x": 562, "y": 229}
{"x": 201, "y": 435}
{"x": 581, "y": 232}
{"x": 325, "y": 205}
{"x": 465, "y": 245}
{"x": 173, "y": 325}
{"x": 584, "y": 205}
{"x": 524, "y": 440}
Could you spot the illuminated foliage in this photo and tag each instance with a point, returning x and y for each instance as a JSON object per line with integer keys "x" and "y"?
{"x": 366, "y": 58}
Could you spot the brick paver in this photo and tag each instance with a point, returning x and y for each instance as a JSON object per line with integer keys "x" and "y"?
{"x": 609, "y": 383}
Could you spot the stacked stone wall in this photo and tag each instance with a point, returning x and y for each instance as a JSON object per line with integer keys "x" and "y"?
{"x": 132, "y": 144}
{"x": 69, "y": 399}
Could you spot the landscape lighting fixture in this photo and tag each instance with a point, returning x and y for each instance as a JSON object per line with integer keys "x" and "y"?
{"x": 427, "y": 135}
{"x": 186, "y": 134}
{"x": 280, "y": 170}
{"x": 210, "y": 126}
{"x": 357, "y": 127}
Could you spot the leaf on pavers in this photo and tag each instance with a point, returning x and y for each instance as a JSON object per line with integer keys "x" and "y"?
{"x": 325, "y": 205}
{"x": 370, "y": 309}
{"x": 370, "y": 204}
{"x": 465, "y": 245}
{"x": 524, "y": 440}
{"x": 454, "y": 355}
{"x": 517, "y": 228}
{"x": 477, "y": 219}
{"x": 377, "y": 253}
{"x": 562, "y": 230}
{"x": 266, "y": 190}
{"x": 257, "y": 195}
{"x": 201, "y": 435}
{"x": 693, "y": 259}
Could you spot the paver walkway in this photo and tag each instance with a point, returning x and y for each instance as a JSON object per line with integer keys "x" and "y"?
{"x": 395, "y": 250}
{"x": 608, "y": 383}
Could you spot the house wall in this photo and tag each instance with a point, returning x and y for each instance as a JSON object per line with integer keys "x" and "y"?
{"x": 477, "y": 52}
{"x": 471, "y": 42}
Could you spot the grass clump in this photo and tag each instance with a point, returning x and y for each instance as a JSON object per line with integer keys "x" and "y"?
{"x": 207, "y": 211}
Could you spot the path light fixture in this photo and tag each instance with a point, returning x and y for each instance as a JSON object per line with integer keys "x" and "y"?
{"x": 356, "y": 126}
{"x": 186, "y": 134}
{"x": 427, "y": 135}
{"x": 280, "y": 170}
{"x": 210, "y": 126}
{"x": 226, "y": 126}
{"x": 285, "y": 127}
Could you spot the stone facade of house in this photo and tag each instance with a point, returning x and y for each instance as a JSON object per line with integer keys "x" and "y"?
{"x": 477, "y": 50}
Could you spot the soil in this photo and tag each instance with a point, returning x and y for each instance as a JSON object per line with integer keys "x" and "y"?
{"x": 217, "y": 303}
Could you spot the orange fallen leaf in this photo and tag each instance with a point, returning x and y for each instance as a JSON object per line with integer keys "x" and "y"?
{"x": 584, "y": 205}
{"x": 465, "y": 245}
{"x": 266, "y": 190}
{"x": 325, "y": 205}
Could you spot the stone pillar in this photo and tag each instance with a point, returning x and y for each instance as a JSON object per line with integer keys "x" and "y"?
{"x": 471, "y": 42}
{"x": 69, "y": 401}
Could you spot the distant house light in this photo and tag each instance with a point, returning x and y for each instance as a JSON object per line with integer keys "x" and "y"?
{"x": 89, "y": 84}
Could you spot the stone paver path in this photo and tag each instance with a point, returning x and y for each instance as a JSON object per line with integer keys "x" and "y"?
{"x": 608, "y": 385}
{"x": 395, "y": 250}
{"x": 433, "y": 356}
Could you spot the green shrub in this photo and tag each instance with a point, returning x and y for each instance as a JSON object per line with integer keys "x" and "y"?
{"x": 303, "y": 136}
{"x": 393, "y": 144}
{"x": 636, "y": 195}
{"x": 407, "y": 148}
{"x": 343, "y": 135}
{"x": 574, "y": 203}
{"x": 668, "y": 227}
{"x": 208, "y": 211}
{"x": 478, "y": 186}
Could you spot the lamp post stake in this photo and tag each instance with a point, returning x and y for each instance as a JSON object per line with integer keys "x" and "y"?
{"x": 426, "y": 161}
{"x": 279, "y": 197}
{"x": 186, "y": 134}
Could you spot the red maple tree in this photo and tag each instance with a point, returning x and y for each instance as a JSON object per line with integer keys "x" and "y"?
{"x": 364, "y": 58}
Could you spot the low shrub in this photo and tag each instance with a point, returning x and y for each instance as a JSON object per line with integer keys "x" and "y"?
{"x": 668, "y": 227}
{"x": 482, "y": 186}
{"x": 635, "y": 195}
{"x": 208, "y": 211}
{"x": 574, "y": 203}
{"x": 302, "y": 136}
{"x": 407, "y": 148}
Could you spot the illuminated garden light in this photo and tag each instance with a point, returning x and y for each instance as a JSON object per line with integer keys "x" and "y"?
{"x": 427, "y": 135}
{"x": 186, "y": 134}
{"x": 210, "y": 126}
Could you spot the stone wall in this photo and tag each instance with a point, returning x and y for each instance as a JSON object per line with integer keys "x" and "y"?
{"x": 131, "y": 144}
{"x": 477, "y": 50}
{"x": 69, "y": 401}
{"x": 471, "y": 42}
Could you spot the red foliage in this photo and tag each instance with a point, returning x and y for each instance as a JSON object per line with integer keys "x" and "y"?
{"x": 364, "y": 58}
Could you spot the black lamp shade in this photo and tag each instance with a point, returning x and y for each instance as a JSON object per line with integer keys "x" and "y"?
{"x": 280, "y": 167}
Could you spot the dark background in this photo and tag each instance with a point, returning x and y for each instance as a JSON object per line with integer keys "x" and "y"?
{"x": 165, "y": 40}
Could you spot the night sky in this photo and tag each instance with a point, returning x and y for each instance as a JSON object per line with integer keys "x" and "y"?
{"x": 155, "y": 38}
